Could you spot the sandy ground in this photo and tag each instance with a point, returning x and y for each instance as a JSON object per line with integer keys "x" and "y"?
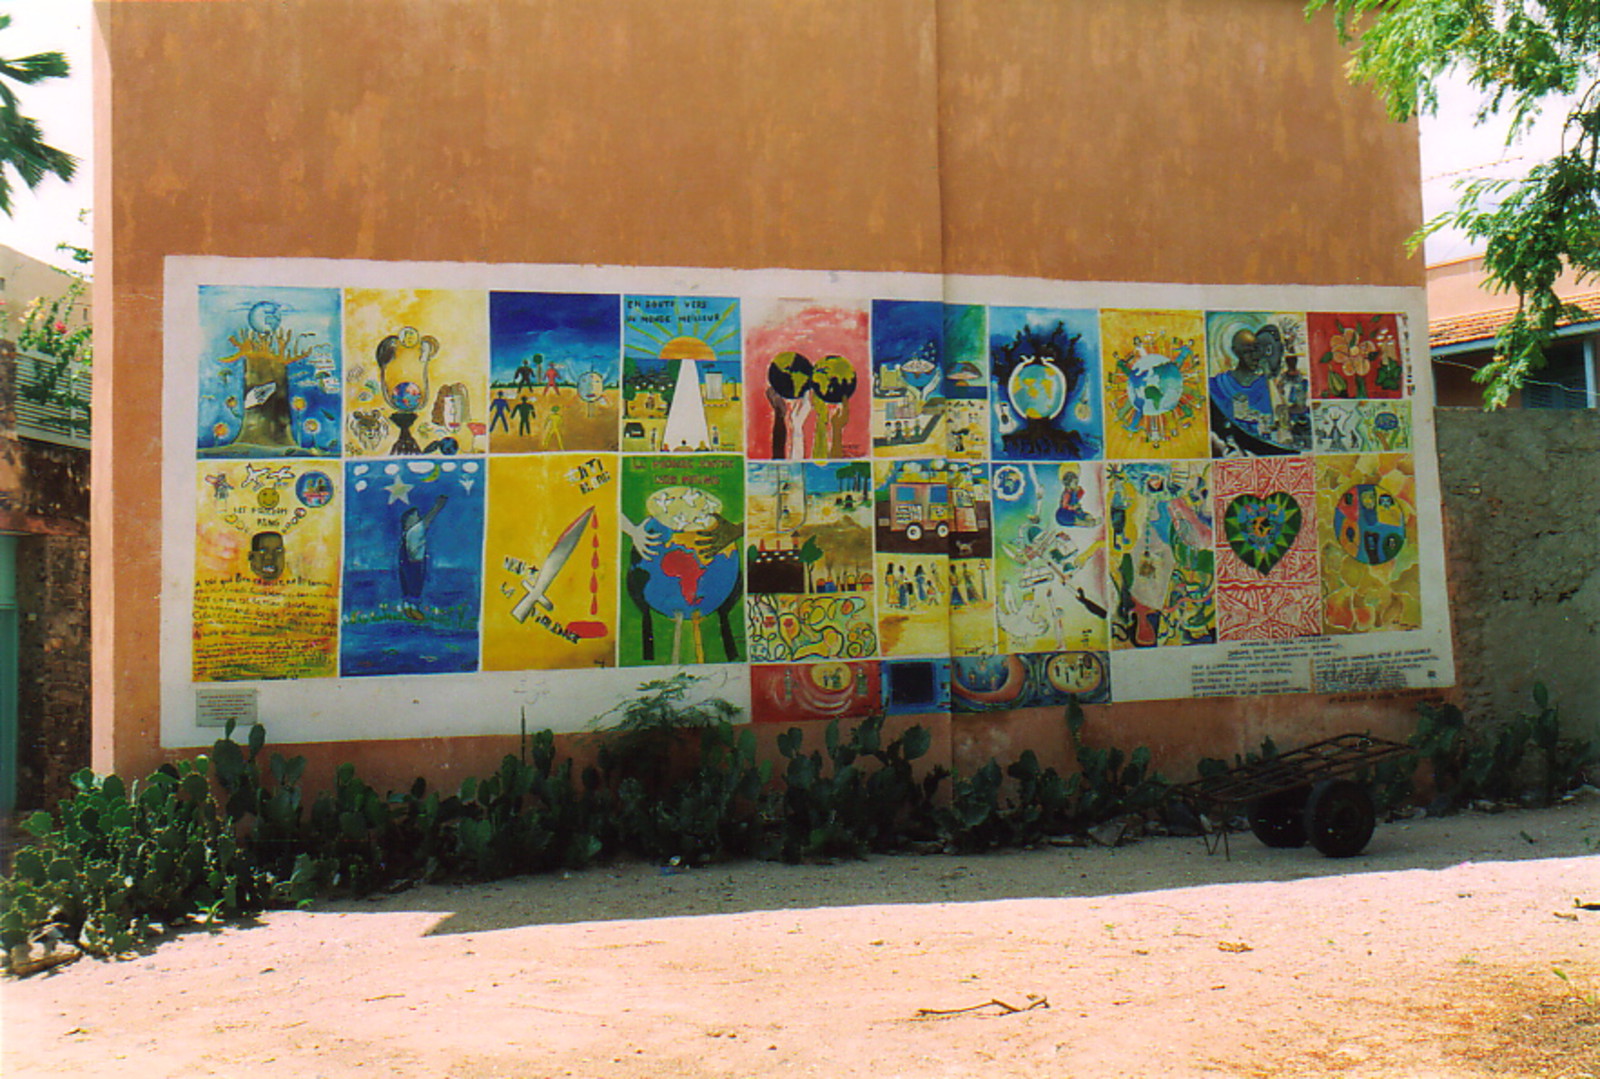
{"x": 1433, "y": 954}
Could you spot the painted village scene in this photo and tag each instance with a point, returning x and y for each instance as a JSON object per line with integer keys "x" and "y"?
{"x": 871, "y": 505}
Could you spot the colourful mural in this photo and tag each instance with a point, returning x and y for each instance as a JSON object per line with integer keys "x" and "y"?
{"x": 553, "y": 368}
{"x": 683, "y": 380}
{"x": 1029, "y": 680}
{"x": 809, "y": 560}
{"x": 1163, "y": 566}
{"x": 908, "y": 410}
{"x": 1050, "y": 556}
{"x": 266, "y": 575}
{"x": 912, "y": 525}
{"x": 1356, "y": 356}
{"x": 1260, "y": 395}
{"x": 808, "y": 362}
{"x": 1361, "y": 426}
{"x": 684, "y": 522}
{"x": 1155, "y": 372}
{"x": 1268, "y": 580}
{"x": 889, "y": 504}
{"x": 413, "y": 543}
{"x": 1367, "y": 527}
{"x": 551, "y": 562}
{"x": 972, "y": 590}
{"x": 415, "y": 373}
{"x": 1043, "y": 365}
{"x": 964, "y": 384}
{"x": 269, "y": 372}
{"x": 801, "y": 691}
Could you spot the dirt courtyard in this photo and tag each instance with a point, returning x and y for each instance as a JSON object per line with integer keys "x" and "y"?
{"x": 1434, "y": 954}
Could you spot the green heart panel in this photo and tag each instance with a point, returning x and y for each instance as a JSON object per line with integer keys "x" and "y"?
{"x": 1262, "y": 528}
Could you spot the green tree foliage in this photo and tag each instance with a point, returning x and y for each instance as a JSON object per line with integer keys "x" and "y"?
{"x": 22, "y": 145}
{"x": 1519, "y": 54}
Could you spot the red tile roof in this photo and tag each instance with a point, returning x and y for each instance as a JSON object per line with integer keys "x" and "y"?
{"x": 1483, "y": 325}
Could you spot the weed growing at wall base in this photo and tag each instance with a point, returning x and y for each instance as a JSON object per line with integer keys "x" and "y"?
{"x": 228, "y": 834}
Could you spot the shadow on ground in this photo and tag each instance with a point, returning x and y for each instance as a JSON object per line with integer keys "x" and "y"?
{"x": 635, "y": 891}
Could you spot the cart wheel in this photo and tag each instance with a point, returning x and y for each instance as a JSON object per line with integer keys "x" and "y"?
{"x": 1279, "y": 820}
{"x": 1340, "y": 817}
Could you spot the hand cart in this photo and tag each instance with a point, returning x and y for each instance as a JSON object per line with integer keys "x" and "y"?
{"x": 1305, "y": 794}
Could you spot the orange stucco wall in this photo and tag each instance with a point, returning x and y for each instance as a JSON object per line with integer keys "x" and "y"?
{"x": 1190, "y": 141}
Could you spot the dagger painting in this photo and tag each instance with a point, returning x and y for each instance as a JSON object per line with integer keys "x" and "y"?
{"x": 537, "y": 584}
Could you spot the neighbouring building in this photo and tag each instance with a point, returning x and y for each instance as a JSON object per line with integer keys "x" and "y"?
{"x": 1463, "y": 318}
{"x": 44, "y": 547}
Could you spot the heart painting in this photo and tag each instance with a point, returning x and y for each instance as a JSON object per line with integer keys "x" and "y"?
{"x": 1262, "y": 528}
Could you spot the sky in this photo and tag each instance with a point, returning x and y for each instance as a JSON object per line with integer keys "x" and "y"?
{"x": 1453, "y": 148}
{"x": 43, "y": 218}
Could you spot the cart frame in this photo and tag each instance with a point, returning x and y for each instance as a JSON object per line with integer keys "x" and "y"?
{"x": 1317, "y": 793}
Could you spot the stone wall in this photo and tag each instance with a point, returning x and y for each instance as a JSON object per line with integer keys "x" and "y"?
{"x": 1522, "y": 524}
{"x": 53, "y": 694}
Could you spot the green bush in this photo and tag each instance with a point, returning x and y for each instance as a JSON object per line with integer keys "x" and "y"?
{"x": 1468, "y": 764}
{"x": 122, "y": 858}
{"x": 225, "y": 834}
{"x": 865, "y": 798}
{"x": 985, "y": 812}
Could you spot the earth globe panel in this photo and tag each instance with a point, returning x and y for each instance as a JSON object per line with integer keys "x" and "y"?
{"x": 789, "y": 374}
{"x": 1038, "y": 390}
{"x": 408, "y": 396}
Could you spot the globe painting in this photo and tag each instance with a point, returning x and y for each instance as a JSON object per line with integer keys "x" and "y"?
{"x": 408, "y": 396}
{"x": 1043, "y": 368}
{"x": 1038, "y": 390}
{"x": 1155, "y": 385}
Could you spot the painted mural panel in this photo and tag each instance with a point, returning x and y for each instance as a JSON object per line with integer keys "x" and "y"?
{"x": 972, "y": 592}
{"x": 790, "y": 628}
{"x": 1367, "y": 518}
{"x": 908, "y": 413}
{"x": 1050, "y": 557}
{"x": 1260, "y": 394}
{"x": 1356, "y": 356}
{"x": 683, "y": 518}
{"x": 551, "y": 562}
{"x": 1269, "y": 582}
{"x": 1155, "y": 389}
{"x": 808, "y": 363}
{"x": 1361, "y": 426}
{"x": 1163, "y": 568}
{"x": 683, "y": 378}
{"x": 1045, "y": 371}
{"x": 269, "y": 372}
{"x": 413, "y": 566}
{"x": 964, "y": 384}
{"x": 416, "y": 371}
{"x": 1028, "y": 680}
{"x": 266, "y": 574}
{"x": 912, "y": 686}
{"x": 809, "y": 527}
{"x": 809, "y": 562}
{"x": 912, "y": 525}
{"x": 801, "y": 691}
{"x": 553, "y": 375}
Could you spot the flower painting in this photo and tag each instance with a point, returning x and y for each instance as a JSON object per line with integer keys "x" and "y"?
{"x": 1356, "y": 356}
